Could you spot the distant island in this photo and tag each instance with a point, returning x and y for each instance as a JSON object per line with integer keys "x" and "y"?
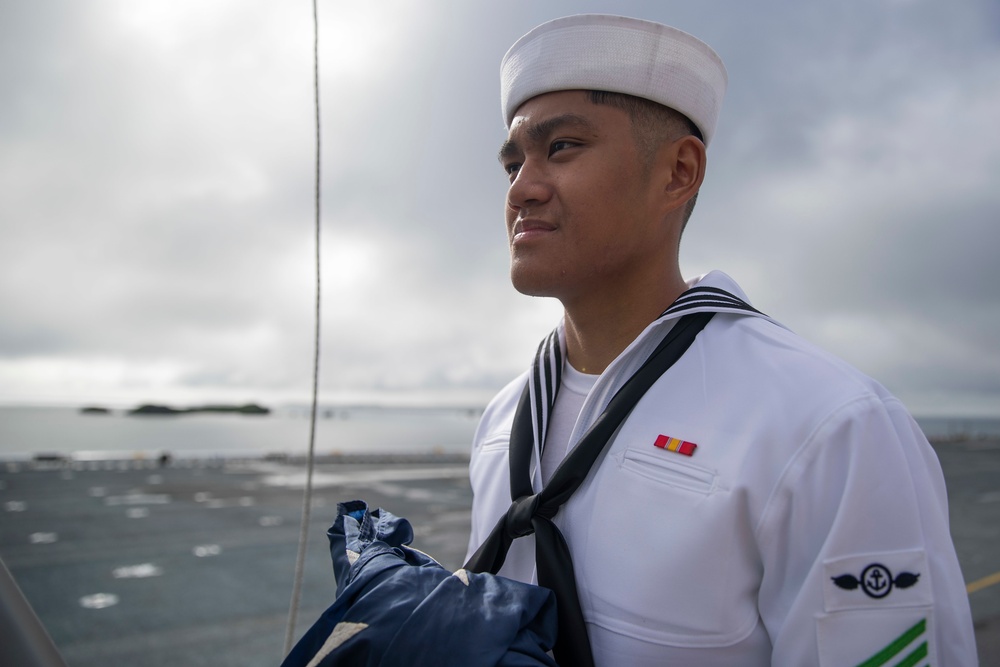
{"x": 248, "y": 409}
{"x": 95, "y": 410}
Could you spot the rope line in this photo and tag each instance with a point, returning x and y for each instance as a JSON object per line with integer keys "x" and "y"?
{"x": 293, "y": 609}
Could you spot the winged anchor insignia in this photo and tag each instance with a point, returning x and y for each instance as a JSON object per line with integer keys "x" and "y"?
{"x": 876, "y": 580}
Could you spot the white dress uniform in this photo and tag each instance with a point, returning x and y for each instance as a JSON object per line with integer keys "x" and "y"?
{"x": 764, "y": 504}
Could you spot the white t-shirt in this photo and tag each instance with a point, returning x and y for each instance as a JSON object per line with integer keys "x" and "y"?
{"x": 569, "y": 402}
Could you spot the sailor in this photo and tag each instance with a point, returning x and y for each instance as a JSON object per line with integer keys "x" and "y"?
{"x": 762, "y": 503}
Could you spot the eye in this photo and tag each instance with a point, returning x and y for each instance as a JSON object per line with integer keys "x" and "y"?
{"x": 560, "y": 144}
{"x": 511, "y": 169}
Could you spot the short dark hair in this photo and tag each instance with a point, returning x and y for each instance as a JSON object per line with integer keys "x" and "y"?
{"x": 652, "y": 124}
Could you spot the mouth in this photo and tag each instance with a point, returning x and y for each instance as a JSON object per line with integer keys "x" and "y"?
{"x": 529, "y": 228}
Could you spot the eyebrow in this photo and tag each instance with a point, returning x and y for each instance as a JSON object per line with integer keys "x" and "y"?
{"x": 539, "y": 131}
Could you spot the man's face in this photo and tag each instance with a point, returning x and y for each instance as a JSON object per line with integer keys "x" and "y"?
{"x": 582, "y": 212}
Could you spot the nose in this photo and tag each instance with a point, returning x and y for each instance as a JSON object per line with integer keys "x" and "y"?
{"x": 530, "y": 187}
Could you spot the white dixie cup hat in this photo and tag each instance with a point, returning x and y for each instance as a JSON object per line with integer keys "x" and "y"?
{"x": 616, "y": 54}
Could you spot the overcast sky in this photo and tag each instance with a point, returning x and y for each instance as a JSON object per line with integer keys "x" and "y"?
{"x": 156, "y": 194}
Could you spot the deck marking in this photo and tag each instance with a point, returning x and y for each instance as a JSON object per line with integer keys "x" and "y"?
{"x": 985, "y": 582}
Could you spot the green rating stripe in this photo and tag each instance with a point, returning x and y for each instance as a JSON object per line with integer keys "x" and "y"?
{"x": 897, "y": 646}
{"x": 919, "y": 654}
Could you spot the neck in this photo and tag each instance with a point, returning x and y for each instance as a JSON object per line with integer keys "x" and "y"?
{"x": 599, "y": 329}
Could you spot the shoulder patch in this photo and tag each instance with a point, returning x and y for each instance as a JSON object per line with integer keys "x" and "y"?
{"x": 867, "y": 581}
{"x": 876, "y": 580}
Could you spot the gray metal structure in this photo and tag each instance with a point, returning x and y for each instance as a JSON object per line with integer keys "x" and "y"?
{"x": 23, "y": 639}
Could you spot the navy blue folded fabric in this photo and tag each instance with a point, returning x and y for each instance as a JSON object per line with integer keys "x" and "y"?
{"x": 397, "y": 607}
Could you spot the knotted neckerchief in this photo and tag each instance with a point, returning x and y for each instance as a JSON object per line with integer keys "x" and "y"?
{"x": 533, "y": 512}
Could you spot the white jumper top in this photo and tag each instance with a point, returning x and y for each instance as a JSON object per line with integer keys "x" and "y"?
{"x": 808, "y": 526}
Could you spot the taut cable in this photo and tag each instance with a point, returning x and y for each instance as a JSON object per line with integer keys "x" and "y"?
{"x": 293, "y": 609}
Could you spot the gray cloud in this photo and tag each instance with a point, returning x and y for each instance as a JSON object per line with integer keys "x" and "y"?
{"x": 156, "y": 219}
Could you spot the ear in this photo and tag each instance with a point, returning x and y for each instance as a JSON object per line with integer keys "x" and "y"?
{"x": 682, "y": 168}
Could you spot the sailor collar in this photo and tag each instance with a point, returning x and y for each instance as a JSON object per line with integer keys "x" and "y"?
{"x": 713, "y": 292}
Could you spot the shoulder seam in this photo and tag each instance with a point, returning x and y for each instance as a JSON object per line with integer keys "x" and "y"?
{"x": 806, "y": 451}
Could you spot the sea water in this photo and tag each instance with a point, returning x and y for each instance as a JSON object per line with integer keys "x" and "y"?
{"x": 960, "y": 428}
{"x": 26, "y": 432}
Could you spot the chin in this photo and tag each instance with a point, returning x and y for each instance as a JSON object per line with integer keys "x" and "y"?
{"x": 532, "y": 284}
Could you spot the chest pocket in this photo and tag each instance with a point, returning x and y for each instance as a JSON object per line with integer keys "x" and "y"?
{"x": 656, "y": 529}
{"x": 667, "y": 468}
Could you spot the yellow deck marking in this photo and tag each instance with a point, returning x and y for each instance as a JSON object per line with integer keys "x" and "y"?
{"x": 985, "y": 582}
